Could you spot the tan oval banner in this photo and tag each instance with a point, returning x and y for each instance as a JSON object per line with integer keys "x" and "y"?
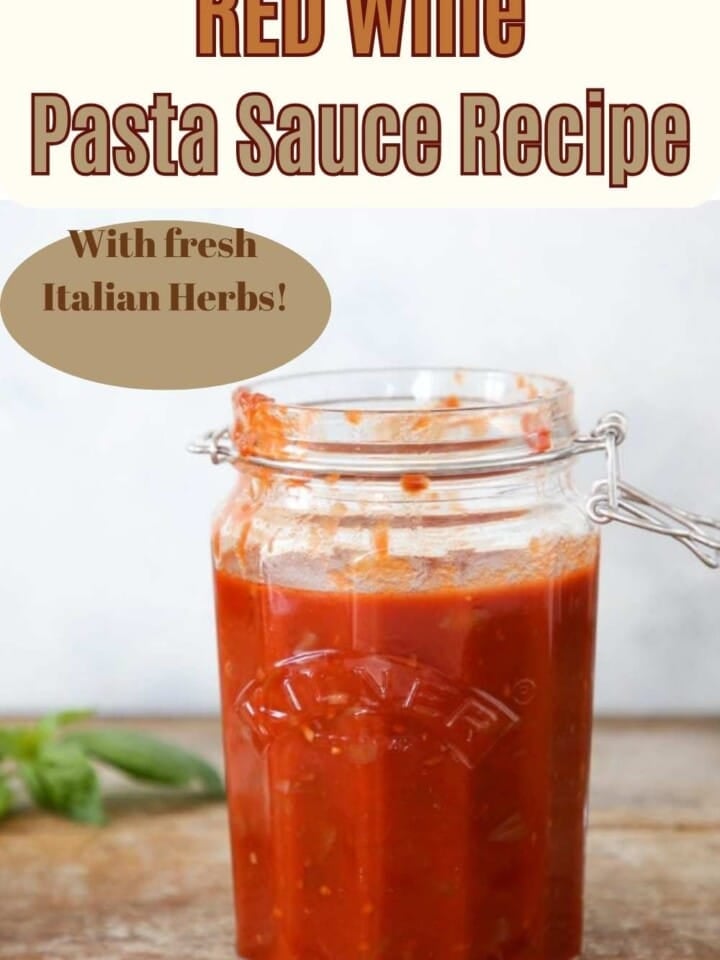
{"x": 165, "y": 304}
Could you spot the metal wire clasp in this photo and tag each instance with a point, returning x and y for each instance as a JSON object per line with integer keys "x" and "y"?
{"x": 613, "y": 499}
{"x": 215, "y": 444}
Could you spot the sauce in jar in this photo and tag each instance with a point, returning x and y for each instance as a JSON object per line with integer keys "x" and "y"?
{"x": 407, "y": 696}
{"x": 408, "y": 772}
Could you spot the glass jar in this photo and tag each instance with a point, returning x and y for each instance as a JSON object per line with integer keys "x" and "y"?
{"x": 406, "y": 584}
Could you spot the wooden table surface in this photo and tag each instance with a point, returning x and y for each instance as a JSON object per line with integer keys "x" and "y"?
{"x": 155, "y": 883}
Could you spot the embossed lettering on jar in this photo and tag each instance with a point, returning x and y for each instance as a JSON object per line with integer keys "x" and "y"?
{"x": 406, "y": 597}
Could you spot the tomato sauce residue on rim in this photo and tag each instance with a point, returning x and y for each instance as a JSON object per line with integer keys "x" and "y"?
{"x": 266, "y": 428}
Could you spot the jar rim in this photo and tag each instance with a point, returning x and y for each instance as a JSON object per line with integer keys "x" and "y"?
{"x": 400, "y": 420}
{"x": 547, "y": 387}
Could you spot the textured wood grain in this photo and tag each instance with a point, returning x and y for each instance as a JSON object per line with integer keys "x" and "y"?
{"x": 155, "y": 884}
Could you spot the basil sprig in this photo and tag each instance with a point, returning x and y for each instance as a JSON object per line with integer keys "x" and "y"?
{"x": 54, "y": 765}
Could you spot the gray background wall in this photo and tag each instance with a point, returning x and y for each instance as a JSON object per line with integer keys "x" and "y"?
{"x": 105, "y": 594}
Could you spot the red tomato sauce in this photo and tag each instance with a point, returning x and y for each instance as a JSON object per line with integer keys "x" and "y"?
{"x": 407, "y": 773}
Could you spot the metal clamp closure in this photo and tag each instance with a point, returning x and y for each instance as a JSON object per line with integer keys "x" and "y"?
{"x": 613, "y": 499}
{"x": 215, "y": 444}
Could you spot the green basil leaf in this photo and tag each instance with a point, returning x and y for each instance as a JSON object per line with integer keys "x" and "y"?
{"x": 49, "y": 725}
{"x": 62, "y": 779}
{"x": 6, "y": 797}
{"x": 66, "y": 717}
{"x": 8, "y": 742}
{"x": 23, "y": 743}
{"x": 19, "y": 742}
{"x": 146, "y": 758}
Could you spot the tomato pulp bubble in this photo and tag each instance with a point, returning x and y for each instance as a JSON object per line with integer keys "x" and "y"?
{"x": 617, "y": 140}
